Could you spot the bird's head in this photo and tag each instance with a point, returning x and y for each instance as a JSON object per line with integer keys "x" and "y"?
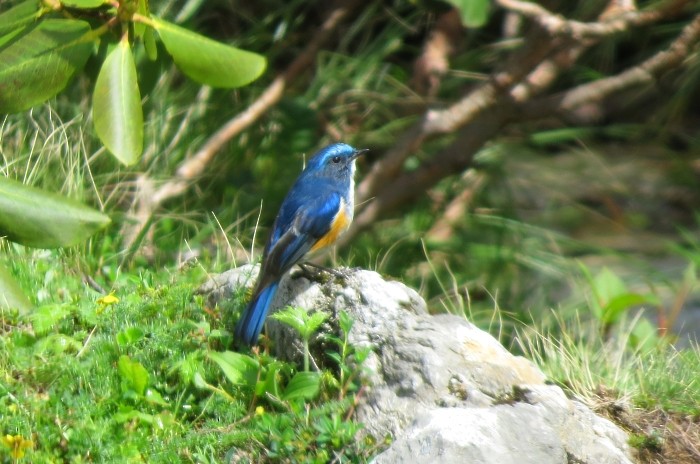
{"x": 335, "y": 160}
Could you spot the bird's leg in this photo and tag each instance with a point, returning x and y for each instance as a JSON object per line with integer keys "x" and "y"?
{"x": 324, "y": 269}
{"x": 316, "y": 274}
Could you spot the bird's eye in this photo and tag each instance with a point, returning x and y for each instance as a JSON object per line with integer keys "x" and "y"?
{"x": 336, "y": 159}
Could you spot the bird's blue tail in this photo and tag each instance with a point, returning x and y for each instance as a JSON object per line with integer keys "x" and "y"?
{"x": 251, "y": 322}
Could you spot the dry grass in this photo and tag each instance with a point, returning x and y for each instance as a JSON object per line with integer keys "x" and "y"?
{"x": 660, "y": 437}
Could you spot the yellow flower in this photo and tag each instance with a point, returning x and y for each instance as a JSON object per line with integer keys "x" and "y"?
{"x": 259, "y": 411}
{"x": 107, "y": 300}
{"x": 17, "y": 444}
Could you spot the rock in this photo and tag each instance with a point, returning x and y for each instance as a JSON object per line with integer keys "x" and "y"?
{"x": 445, "y": 390}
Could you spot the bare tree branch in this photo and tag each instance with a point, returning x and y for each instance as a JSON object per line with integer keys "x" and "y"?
{"x": 597, "y": 91}
{"x": 557, "y": 25}
{"x": 493, "y": 105}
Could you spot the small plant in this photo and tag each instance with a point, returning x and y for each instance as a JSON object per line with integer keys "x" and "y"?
{"x": 611, "y": 301}
{"x": 304, "y": 323}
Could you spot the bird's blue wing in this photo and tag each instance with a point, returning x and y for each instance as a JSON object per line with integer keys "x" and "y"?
{"x": 302, "y": 221}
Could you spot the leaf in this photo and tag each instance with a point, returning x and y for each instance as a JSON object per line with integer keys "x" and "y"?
{"x": 207, "y": 61}
{"x": 130, "y": 336}
{"x": 608, "y": 285}
{"x": 300, "y": 320}
{"x": 19, "y": 16}
{"x": 149, "y": 44}
{"x": 304, "y": 385}
{"x": 11, "y": 295}
{"x": 292, "y": 316}
{"x": 116, "y": 105}
{"x": 134, "y": 376}
{"x": 613, "y": 311}
{"x": 474, "y": 13}
{"x": 40, "y": 219}
{"x": 271, "y": 383}
{"x": 154, "y": 397}
{"x": 238, "y": 368}
{"x": 39, "y": 62}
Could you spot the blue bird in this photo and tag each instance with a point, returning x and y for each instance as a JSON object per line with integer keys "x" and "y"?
{"x": 316, "y": 211}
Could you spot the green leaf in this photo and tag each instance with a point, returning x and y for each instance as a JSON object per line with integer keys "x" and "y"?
{"x": 153, "y": 397}
{"x": 608, "y": 285}
{"x": 207, "y": 61}
{"x": 149, "y": 44}
{"x": 39, "y": 62}
{"x": 238, "y": 368}
{"x": 11, "y": 295}
{"x": 116, "y": 105}
{"x": 18, "y": 16}
{"x": 130, "y": 336}
{"x": 474, "y": 13}
{"x": 40, "y": 219}
{"x": 304, "y": 385}
{"x": 294, "y": 317}
{"x": 616, "y": 307}
{"x": 300, "y": 320}
{"x": 134, "y": 376}
{"x": 271, "y": 383}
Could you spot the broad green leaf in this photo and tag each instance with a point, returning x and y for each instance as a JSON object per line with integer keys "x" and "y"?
{"x": 304, "y": 385}
{"x": 11, "y": 295}
{"x": 18, "y": 16}
{"x": 207, "y": 61}
{"x": 238, "y": 368}
{"x": 40, "y": 61}
{"x": 616, "y": 307}
{"x": 474, "y": 13}
{"x": 40, "y": 219}
{"x": 116, "y": 106}
{"x": 608, "y": 285}
{"x": 83, "y": 3}
{"x": 134, "y": 375}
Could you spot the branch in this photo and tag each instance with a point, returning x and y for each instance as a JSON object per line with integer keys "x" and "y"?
{"x": 557, "y": 25}
{"x": 435, "y": 122}
{"x": 597, "y": 91}
{"x": 486, "y": 110}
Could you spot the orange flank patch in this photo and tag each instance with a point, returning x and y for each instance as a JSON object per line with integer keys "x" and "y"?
{"x": 341, "y": 221}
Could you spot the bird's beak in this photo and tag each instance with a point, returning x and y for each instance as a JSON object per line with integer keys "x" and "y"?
{"x": 359, "y": 152}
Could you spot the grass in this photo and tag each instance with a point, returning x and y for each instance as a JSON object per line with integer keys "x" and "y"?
{"x": 132, "y": 376}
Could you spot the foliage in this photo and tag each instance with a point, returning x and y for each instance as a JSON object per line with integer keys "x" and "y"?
{"x": 143, "y": 373}
{"x": 35, "y": 218}
{"x": 44, "y": 45}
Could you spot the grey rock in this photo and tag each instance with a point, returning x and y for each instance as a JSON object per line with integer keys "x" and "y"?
{"x": 445, "y": 390}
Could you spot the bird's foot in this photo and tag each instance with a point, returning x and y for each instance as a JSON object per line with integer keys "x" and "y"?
{"x": 319, "y": 273}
